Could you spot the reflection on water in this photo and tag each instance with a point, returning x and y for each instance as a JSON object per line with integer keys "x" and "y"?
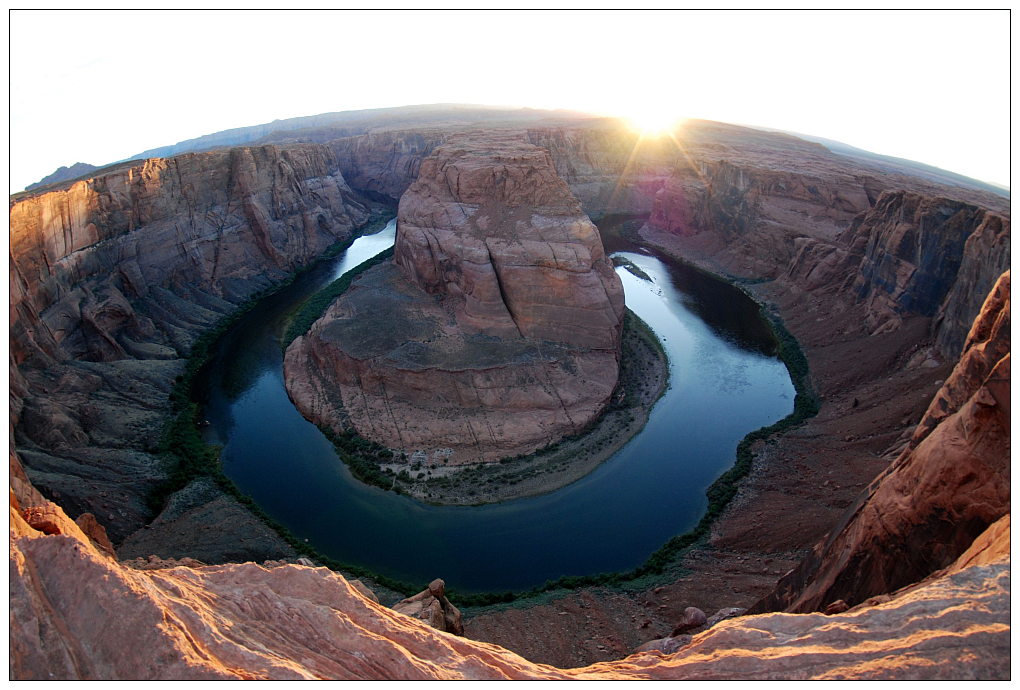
{"x": 724, "y": 384}
{"x": 732, "y": 315}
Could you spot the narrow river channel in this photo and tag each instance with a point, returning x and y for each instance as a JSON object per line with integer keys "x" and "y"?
{"x": 725, "y": 382}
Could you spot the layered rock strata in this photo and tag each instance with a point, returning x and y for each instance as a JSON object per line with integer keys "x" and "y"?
{"x": 112, "y": 280}
{"x": 898, "y": 253}
{"x": 386, "y": 162}
{"x": 109, "y": 409}
{"x": 911, "y": 250}
{"x": 495, "y": 330}
{"x": 206, "y": 227}
{"x": 764, "y": 204}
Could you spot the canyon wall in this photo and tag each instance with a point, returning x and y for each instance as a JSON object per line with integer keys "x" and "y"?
{"x": 385, "y": 162}
{"x": 912, "y": 251}
{"x": 112, "y": 280}
{"x": 496, "y": 329}
{"x": 907, "y": 255}
{"x": 225, "y": 223}
{"x": 948, "y": 485}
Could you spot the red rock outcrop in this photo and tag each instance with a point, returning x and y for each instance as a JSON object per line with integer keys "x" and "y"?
{"x": 432, "y": 606}
{"x": 490, "y": 224}
{"x": 75, "y": 613}
{"x": 495, "y": 331}
{"x": 948, "y": 485}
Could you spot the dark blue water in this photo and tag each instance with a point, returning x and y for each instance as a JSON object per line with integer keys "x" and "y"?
{"x": 724, "y": 383}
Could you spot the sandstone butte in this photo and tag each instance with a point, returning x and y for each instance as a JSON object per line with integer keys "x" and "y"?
{"x": 495, "y": 330}
{"x": 886, "y": 280}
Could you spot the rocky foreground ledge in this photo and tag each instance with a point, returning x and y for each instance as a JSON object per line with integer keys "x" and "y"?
{"x": 77, "y": 613}
{"x": 496, "y": 329}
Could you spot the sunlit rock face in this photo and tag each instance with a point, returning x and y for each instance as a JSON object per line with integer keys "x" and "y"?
{"x": 207, "y": 227}
{"x": 112, "y": 280}
{"x": 77, "y": 613}
{"x": 495, "y": 330}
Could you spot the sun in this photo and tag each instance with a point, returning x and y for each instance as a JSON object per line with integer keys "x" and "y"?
{"x": 653, "y": 120}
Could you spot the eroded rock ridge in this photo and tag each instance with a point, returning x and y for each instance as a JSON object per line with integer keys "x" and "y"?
{"x": 77, "y": 613}
{"x": 949, "y": 484}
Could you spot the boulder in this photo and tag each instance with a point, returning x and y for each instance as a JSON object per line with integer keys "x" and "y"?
{"x": 692, "y": 618}
{"x": 437, "y": 588}
{"x": 666, "y": 645}
{"x": 838, "y": 606}
{"x": 723, "y": 614}
{"x": 432, "y": 606}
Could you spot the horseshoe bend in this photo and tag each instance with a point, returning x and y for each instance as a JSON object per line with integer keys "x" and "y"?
{"x": 865, "y": 535}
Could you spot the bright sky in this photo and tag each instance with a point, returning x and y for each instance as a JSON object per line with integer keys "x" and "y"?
{"x": 101, "y": 86}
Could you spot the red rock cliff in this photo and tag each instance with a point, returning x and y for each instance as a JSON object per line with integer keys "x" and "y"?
{"x": 76, "y": 613}
{"x": 491, "y": 224}
{"x": 948, "y": 485}
{"x": 932, "y": 257}
{"x": 112, "y": 280}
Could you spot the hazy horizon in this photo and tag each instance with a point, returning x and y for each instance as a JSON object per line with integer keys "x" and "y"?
{"x": 893, "y": 83}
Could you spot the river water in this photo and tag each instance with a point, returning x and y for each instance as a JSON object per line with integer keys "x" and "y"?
{"x": 725, "y": 382}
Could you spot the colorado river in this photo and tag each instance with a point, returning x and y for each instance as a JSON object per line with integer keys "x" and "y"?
{"x": 725, "y": 382}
